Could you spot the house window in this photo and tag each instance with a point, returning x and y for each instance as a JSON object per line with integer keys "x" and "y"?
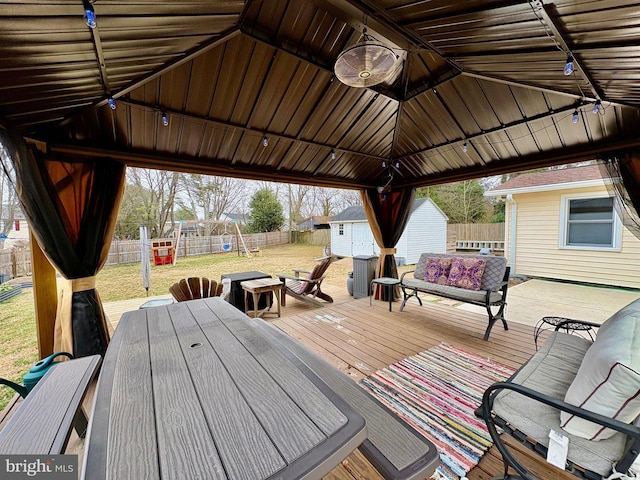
{"x": 341, "y": 229}
{"x": 590, "y": 223}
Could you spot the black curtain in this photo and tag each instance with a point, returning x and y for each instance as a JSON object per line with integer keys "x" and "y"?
{"x": 388, "y": 214}
{"x": 71, "y": 208}
{"x": 623, "y": 171}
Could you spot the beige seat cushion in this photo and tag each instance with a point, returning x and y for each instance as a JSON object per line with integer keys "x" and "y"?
{"x": 608, "y": 381}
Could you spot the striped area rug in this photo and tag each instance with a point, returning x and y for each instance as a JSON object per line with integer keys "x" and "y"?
{"x": 436, "y": 391}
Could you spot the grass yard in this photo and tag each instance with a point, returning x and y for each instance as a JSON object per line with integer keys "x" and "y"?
{"x": 18, "y": 343}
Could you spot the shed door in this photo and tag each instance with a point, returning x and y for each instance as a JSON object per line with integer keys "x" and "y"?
{"x": 362, "y": 239}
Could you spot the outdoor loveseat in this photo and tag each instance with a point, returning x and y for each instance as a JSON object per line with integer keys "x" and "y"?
{"x": 477, "y": 279}
{"x": 587, "y": 391}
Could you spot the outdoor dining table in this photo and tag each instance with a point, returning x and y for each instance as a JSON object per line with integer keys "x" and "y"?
{"x": 193, "y": 390}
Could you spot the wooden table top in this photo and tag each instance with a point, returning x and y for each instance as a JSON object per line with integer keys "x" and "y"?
{"x": 261, "y": 283}
{"x": 195, "y": 390}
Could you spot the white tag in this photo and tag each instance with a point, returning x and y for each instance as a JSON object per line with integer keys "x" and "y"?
{"x": 558, "y": 449}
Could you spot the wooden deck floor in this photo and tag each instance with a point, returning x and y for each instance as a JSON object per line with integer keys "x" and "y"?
{"x": 359, "y": 339}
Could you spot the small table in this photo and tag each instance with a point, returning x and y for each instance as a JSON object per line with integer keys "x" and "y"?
{"x": 236, "y": 294}
{"x": 270, "y": 286}
{"x": 548, "y": 323}
{"x": 388, "y": 283}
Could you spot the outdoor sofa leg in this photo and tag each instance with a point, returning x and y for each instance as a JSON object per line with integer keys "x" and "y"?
{"x": 407, "y": 296}
{"x": 494, "y": 318}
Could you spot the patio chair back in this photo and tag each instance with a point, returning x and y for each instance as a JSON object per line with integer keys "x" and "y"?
{"x": 194, "y": 288}
{"x": 317, "y": 272}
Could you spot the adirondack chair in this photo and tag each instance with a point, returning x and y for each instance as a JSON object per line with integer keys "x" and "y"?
{"x": 307, "y": 288}
{"x": 195, "y": 287}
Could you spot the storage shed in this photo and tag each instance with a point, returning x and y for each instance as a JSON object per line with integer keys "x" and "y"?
{"x": 426, "y": 231}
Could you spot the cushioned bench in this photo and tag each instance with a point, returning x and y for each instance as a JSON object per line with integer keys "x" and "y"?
{"x": 393, "y": 447}
{"x": 577, "y": 388}
{"x": 476, "y": 279}
{"x": 43, "y": 422}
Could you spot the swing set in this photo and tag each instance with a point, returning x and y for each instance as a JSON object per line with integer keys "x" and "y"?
{"x": 226, "y": 240}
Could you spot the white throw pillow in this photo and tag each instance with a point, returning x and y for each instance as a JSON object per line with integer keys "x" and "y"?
{"x": 608, "y": 381}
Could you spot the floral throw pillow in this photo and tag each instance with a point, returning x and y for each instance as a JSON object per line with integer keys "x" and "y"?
{"x": 466, "y": 272}
{"x": 437, "y": 270}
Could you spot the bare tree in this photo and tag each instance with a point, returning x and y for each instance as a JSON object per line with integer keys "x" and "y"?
{"x": 8, "y": 197}
{"x": 299, "y": 198}
{"x": 158, "y": 203}
{"x": 212, "y": 196}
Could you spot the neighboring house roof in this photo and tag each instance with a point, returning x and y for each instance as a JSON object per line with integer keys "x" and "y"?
{"x": 238, "y": 217}
{"x": 572, "y": 177}
{"x": 316, "y": 220}
{"x": 356, "y": 213}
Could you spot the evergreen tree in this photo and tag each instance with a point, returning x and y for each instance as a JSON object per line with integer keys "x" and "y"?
{"x": 265, "y": 211}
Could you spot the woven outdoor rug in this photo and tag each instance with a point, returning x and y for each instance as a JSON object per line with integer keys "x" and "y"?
{"x": 436, "y": 392}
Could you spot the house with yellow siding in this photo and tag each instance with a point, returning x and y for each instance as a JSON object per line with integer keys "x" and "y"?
{"x": 563, "y": 224}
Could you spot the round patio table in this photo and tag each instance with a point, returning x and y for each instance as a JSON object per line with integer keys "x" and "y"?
{"x": 548, "y": 323}
{"x": 388, "y": 283}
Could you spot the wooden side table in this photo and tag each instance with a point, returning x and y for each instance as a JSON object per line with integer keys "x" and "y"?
{"x": 388, "y": 283}
{"x": 270, "y": 286}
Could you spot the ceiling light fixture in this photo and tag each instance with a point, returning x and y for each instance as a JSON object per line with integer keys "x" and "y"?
{"x": 464, "y": 147}
{"x": 112, "y": 103}
{"x": 265, "y": 141}
{"x": 165, "y": 119}
{"x": 89, "y": 14}
{"x": 575, "y": 116}
{"x": 365, "y": 64}
{"x": 568, "y": 66}
{"x": 333, "y": 155}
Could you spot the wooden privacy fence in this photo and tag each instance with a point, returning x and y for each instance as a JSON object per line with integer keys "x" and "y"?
{"x": 478, "y": 231}
{"x": 128, "y": 251}
{"x": 312, "y": 237}
{"x": 16, "y": 262}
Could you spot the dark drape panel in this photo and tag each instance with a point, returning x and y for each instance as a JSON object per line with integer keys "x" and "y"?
{"x": 71, "y": 209}
{"x": 624, "y": 172}
{"x": 388, "y": 214}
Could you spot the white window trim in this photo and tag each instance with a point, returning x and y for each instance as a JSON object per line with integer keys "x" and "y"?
{"x": 564, "y": 213}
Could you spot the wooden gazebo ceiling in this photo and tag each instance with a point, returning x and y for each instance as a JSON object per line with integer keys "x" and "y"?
{"x": 227, "y": 74}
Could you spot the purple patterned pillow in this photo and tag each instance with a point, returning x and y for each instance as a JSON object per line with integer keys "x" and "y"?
{"x": 437, "y": 270}
{"x": 466, "y": 273}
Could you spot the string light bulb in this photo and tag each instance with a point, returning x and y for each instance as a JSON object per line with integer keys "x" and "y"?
{"x": 568, "y": 66}
{"x": 384, "y": 164}
{"x": 165, "y": 119}
{"x": 112, "y": 103}
{"x": 597, "y": 106}
{"x": 575, "y": 116}
{"x": 333, "y": 155}
{"x": 464, "y": 147}
{"x": 89, "y": 14}
{"x": 265, "y": 141}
